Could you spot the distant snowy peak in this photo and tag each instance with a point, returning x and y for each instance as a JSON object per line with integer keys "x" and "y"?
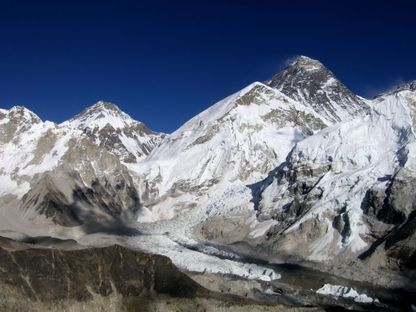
{"x": 17, "y": 120}
{"x": 399, "y": 103}
{"x": 109, "y": 127}
{"x": 308, "y": 81}
{"x": 407, "y": 86}
{"x": 101, "y": 115}
{"x": 46, "y": 166}
{"x": 19, "y": 113}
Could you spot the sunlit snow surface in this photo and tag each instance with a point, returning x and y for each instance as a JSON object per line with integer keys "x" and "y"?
{"x": 236, "y": 141}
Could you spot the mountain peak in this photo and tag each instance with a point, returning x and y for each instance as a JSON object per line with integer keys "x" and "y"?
{"x": 101, "y": 115}
{"x": 307, "y": 63}
{"x": 106, "y": 105}
{"x": 101, "y": 106}
{"x": 109, "y": 127}
{"x": 406, "y": 86}
{"x": 309, "y": 82}
{"x": 302, "y": 71}
{"x": 22, "y": 112}
{"x": 411, "y": 86}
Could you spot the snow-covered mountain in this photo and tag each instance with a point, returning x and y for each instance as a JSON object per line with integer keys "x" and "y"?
{"x": 236, "y": 141}
{"x": 331, "y": 198}
{"x": 294, "y": 169}
{"x": 73, "y": 173}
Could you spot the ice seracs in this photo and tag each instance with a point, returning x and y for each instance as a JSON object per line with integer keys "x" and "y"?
{"x": 345, "y": 292}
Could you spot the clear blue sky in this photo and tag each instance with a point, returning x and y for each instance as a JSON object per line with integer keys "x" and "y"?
{"x": 164, "y": 61}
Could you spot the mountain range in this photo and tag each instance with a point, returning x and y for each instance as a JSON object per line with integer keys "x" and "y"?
{"x": 294, "y": 169}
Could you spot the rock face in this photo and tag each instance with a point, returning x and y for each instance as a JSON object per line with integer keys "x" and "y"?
{"x": 309, "y": 82}
{"x": 102, "y": 279}
{"x": 112, "y": 275}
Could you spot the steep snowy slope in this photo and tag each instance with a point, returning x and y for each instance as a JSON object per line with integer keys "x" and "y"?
{"x": 236, "y": 141}
{"x": 332, "y": 199}
{"x": 309, "y": 82}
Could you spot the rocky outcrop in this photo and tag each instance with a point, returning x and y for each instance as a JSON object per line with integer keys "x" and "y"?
{"x": 103, "y": 279}
{"x": 395, "y": 212}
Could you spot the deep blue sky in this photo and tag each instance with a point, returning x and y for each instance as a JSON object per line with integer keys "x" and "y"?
{"x": 164, "y": 61}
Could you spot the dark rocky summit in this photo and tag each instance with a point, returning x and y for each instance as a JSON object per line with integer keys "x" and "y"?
{"x": 308, "y": 81}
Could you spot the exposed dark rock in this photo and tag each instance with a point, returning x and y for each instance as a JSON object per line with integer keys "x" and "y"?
{"x": 341, "y": 223}
{"x": 50, "y": 276}
{"x": 309, "y": 82}
{"x": 103, "y": 279}
{"x": 62, "y": 198}
{"x": 394, "y": 206}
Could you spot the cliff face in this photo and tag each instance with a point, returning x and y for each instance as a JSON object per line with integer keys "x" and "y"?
{"x": 43, "y": 279}
{"x": 102, "y": 279}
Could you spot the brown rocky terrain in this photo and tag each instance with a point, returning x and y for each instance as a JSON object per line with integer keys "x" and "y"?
{"x": 73, "y": 278}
